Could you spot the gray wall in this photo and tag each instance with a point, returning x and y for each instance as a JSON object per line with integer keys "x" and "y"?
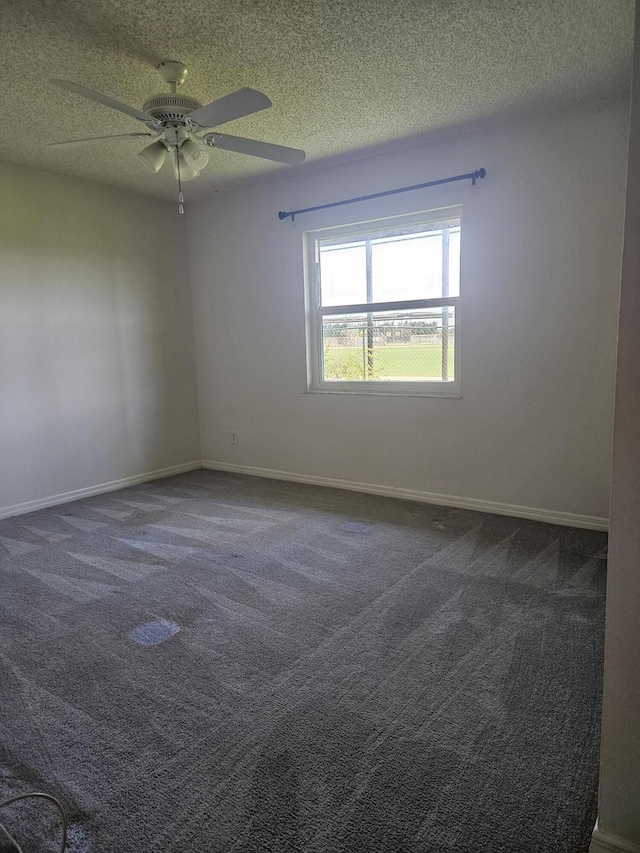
{"x": 542, "y": 238}
{"x": 97, "y": 370}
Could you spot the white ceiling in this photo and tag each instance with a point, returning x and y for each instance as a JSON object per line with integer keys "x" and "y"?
{"x": 343, "y": 75}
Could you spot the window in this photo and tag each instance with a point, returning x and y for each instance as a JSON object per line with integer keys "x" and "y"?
{"x": 383, "y": 306}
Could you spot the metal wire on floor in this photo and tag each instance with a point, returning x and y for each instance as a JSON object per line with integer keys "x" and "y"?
{"x": 57, "y": 803}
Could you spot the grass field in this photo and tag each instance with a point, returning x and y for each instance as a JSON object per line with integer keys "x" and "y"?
{"x": 421, "y": 361}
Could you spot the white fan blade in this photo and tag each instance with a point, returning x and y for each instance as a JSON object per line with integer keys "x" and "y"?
{"x": 102, "y": 99}
{"x": 72, "y": 143}
{"x": 237, "y": 104}
{"x": 266, "y": 150}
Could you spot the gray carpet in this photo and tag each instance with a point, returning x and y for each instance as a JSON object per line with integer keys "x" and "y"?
{"x": 222, "y": 664}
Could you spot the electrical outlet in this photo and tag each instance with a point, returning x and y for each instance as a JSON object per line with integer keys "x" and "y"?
{"x": 234, "y": 436}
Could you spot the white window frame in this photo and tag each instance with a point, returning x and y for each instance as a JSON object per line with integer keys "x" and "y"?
{"x": 314, "y": 312}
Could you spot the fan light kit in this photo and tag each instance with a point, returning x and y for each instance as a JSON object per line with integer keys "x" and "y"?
{"x": 181, "y": 127}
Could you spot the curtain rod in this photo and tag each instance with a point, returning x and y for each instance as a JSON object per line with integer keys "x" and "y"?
{"x": 470, "y": 176}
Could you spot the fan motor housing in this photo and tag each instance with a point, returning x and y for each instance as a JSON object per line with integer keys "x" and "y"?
{"x": 170, "y": 107}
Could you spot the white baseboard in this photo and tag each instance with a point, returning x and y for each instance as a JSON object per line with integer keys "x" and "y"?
{"x": 569, "y": 519}
{"x": 604, "y": 842}
{"x": 112, "y": 486}
{"x": 591, "y": 522}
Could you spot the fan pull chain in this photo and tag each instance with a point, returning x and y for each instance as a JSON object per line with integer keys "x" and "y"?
{"x": 180, "y": 196}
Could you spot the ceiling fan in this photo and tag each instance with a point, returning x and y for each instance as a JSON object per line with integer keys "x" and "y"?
{"x": 181, "y": 127}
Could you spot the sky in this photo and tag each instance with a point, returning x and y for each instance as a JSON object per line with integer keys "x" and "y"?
{"x": 404, "y": 267}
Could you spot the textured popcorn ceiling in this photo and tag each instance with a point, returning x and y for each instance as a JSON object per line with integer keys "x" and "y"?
{"x": 343, "y": 75}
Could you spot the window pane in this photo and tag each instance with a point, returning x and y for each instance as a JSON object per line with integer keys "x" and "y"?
{"x": 408, "y": 346}
{"x": 454, "y": 262}
{"x": 408, "y": 264}
{"x": 407, "y": 267}
{"x": 343, "y": 274}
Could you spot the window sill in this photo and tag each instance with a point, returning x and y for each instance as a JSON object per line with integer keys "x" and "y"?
{"x": 451, "y": 394}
